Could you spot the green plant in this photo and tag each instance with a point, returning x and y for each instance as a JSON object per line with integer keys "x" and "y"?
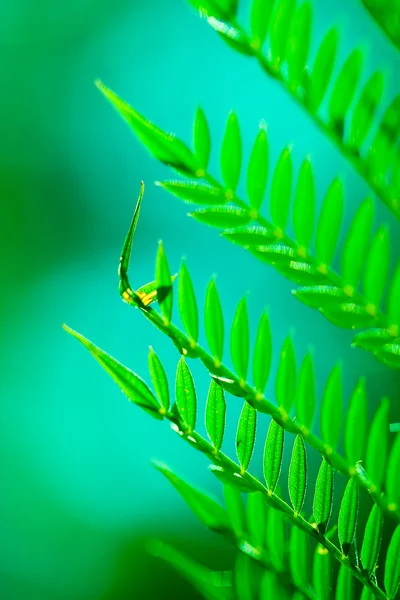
{"x": 257, "y": 527}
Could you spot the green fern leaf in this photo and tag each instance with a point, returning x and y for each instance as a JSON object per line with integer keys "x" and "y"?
{"x": 273, "y": 455}
{"x": 240, "y": 342}
{"x": 194, "y": 192}
{"x": 222, "y": 216}
{"x": 378, "y": 441}
{"x": 246, "y": 435}
{"x": 235, "y": 509}
{"x": 331, "y": 408}
{"x": 243, "y": 577}
{"x": 262, "y": 354}
{"x": 322, "y": 70}
{"x": 256, "y": 519}
{"x": 250, "y": 236}
{"x": 215, "y": 414}
{"x": 298, "y": 474}
{"x": 281, "y": 187}
{"x": 345, "y": 584}
{"x": 320, "y": 296}
{"x": 392, "y": 474}
{"x": 257, "y": 172}
{"x": 323, "y": 496}
{"x": 298, "y": 557}
{"x": 348, "y": 515}
{"x": 344, "y": 90}
{"x": 392, "y": 566}
{"x": 372, "y": 540}
{"x": 367, "y": 594}
{"x": 305, "y": 393}
{"x": 231, "y": 153}
{"x": 356, "y": 424}
{"x": 280, "y": 24}
{"x": 304, "y": 205}
{"x": 214, "y": 322}
{"x": 201, "y": 139}
{"x": 357, "y": 243}
{"x": 275, "y": 538}
{"x": 269, "y": 587}
{"x": 129, "y": 382}
{"x": 298, "y": 44}
{"x": 164, "y": 287}
{"x": 261, "y": 11}
{"x": 186, "y": 395}
{"x": 322, "y": 573}
{"x": 206, "y": 509}
{"x": 365, "y": 109}
{"x": 285, "y": 384}
{"x": 377, "y": 266}
{"x": 158, "y": 378}
{"x": 235, "y": 38}
{"x": 231, "y": 479}
{"x": 329, "y": 223}
{"x": 187, "y": 303}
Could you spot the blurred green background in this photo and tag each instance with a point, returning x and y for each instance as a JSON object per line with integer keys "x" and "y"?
{"x": 79, "y": 495}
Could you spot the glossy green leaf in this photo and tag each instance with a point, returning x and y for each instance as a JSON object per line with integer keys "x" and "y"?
{"x": 275, "y": 538}
{"x": 126, "y": 251}
{"x": 164, "y": 146}
{"x": 392, "y": 474}
{"x": 373, "y": 339}
{"x": 344, "y": 89}
{"x": 187, "y": 303}
{"x": 253, "y": 235}
{"x": 201, "y": 139}
{"x": 298, "y": 474}
{"x": 164, "y": 287}
{"x": 206, "y": 509}
{"x": 158, "y": 378}
{"x": 222, "y": 216}
{"x": 129, "y": 382}
{"x": 392, "y": 565}
{"x": 372, "y": 540}
{"x": 331, "y": 408}
{"x": 304, "y": 205}
{"x": 199, "y": 576}
{"x": 305, "y": 393}
{"x": 349, "y": 315}
{"x": 185, "y": 395}
{"x": 356, "y": 424}
{"x": 348, "y": 515}
{"x": 261, "y": 11}
{"x": 256, "y": 512}
{"x": 281, "y": 188}
{"x": 246, "y": 435}
{"x": 232, "y": 36}
{"x": 322, "y": 70}
{"x": 298, "y": 557}
{"x": 240, "y": 340}
{"x": 320, "y": 296}
{"x": 269, "y": 587}
{"x": 262, "y": 354}
{"x": 322, "y": 573}
{"x": 194, "y": 192}
{"x": 364, "y": 112}
{"x": 280, "y": 24}
{"x": 367, "y": 594}
{"x": 377, "y": 444}
{"x": 273, "y": 455}
{"x": 323, "y": 496}
{"x": 215, "y": 414}
{"x": 257, "y": 172}
{"x": 243, "y": 577}
{"x": 298, "y": 44}
{"x": 300, "y": 272}
{"x": 329, "y": 223}
{"x": 285, "y": 384}
{"x": 357, "y": 243}
{"x": 377, "y": 266}
{"x": 278, "y": 255}
{"x": 214, "y": 323}
{"x": 231, "y": 153}
{"x": 393, "y": 302}
{"x": 235, "y": 509}
{"x": 345, "y": 584}
{"x": 233, "y": 479}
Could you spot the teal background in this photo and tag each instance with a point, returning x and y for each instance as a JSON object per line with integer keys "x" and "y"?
{"x": 79, "y": 495}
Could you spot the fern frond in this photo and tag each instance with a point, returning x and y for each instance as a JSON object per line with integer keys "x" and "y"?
{"x": 386, "y": 13}
{"x": 350, "y": 299}
{"x": 282, "y": 51}
{"x": 214, "y": 516}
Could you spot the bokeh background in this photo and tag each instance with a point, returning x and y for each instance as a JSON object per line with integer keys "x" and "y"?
{"x": 79, "y": 495}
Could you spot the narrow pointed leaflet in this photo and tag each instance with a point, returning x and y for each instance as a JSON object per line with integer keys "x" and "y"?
{"x": 298, "y": 474}
{"x": 215, "y": 414}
